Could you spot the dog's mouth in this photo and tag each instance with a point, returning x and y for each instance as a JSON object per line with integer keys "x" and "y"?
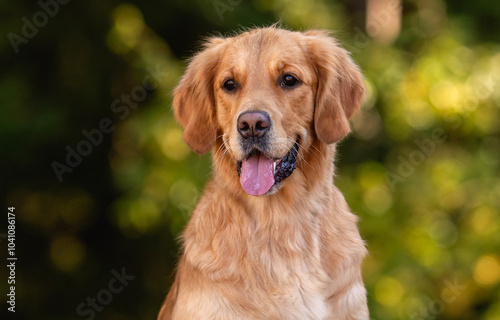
{"x": 259, "y": 174}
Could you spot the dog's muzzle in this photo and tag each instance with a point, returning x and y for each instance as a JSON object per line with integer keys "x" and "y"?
{"x": 259, "y": 174}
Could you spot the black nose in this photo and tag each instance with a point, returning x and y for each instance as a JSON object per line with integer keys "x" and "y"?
{"x": 253, "y": 124}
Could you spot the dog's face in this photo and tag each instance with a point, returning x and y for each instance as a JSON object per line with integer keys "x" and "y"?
{"x": 267, "y": 94}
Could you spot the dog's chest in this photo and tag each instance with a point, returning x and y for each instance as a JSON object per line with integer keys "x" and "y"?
{"x": 263, "y": 259}
{"x": 286, "y": 265}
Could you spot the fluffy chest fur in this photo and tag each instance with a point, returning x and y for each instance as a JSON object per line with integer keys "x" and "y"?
{"x": 271, "y": 255}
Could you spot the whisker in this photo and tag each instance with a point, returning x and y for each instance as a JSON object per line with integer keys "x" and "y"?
{"x": 300, "y": 156}
{"x": 223, "y": 151}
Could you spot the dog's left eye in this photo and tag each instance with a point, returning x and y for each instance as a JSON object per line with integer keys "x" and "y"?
{"x": 289, "y": 81}
{"x": 229, "y": 85}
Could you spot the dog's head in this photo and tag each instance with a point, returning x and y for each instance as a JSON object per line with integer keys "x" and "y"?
{"x": 264, "y": 95}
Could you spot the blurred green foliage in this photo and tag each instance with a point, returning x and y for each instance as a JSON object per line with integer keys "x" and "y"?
{"x": 421, "y": 168}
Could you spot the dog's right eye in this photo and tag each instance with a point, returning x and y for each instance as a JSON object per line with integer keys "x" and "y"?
{"x": 288, "y": 81}
{"x": 229, "y": 85}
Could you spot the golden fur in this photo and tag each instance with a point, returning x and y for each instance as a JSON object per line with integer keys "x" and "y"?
{"x": 294, "y": 253}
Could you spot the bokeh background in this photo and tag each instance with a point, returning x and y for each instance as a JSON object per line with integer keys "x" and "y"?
{"x": 102, "y": 183}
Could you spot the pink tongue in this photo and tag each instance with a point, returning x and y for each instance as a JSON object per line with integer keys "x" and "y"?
{"x": 257, "y": 175}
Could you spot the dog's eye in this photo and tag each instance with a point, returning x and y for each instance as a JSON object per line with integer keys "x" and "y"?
{"x": 289, "y": 81}
{"x": 229, "y": 85}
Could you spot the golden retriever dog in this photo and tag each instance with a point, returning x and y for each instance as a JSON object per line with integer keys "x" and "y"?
{"x": 271, "y": 237}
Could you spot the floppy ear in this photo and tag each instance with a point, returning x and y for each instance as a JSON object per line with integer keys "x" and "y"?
{"x": 194, "y": 103}
{"x": 340, "y": 86}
